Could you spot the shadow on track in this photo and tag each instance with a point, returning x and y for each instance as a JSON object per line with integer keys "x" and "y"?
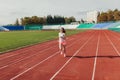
{"x": 108, "y": 56}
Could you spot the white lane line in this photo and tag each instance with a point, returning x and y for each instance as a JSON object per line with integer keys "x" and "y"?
{"x": 95, "y": 61}
{"x": 112, "y": 44}
{"x": 4, "y": 67}
{"x": 39, "y": 63}
{"x": 69, "y": 59}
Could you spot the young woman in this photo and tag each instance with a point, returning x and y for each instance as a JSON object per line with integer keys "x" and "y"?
{"x": 62, "y": 41}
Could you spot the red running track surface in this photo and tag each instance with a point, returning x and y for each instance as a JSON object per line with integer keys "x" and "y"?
{"x": 91, "y": 55}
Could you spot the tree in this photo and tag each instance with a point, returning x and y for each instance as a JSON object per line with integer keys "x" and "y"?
{"x": 50, "y": 20}
{"x": 72, "y": 19}
{"x": 46, "y": 20}
{"x": 35, "y": 20}
{"x": 103, "y": 17}
{"x": 98, "y": 17}
{"x": 22, "y": 21}
{"x": 17, "y": 23}
{"x": 116, "y": 15}
{"x": 110, "y": 15}
{"x": 27, "y": 20}
{"x": 68, "y": 20}
{"x": 93, "y": 21}
{"x": 82, "y": 21}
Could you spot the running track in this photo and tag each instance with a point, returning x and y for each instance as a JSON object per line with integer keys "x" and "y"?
{"x": 91, "y": 55}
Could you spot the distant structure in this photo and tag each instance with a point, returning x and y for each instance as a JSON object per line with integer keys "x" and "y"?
{"x": 3, "y": 29}
{"x": 92, "y": 16}
{"x": 74, "y": 23}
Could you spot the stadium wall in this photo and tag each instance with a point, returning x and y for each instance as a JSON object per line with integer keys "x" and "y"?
{"x": 69, "y": 26}
{"x": 12, "y": 28}
{"x": 33, "y": 27}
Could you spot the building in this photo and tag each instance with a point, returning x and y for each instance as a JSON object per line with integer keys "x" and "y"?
{"x": 92, "y": 16}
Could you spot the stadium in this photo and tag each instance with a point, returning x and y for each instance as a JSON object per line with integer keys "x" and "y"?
{"x": 32, "y": 48}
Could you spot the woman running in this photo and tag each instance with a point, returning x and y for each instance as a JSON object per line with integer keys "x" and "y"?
{"x": 62, "y": 41}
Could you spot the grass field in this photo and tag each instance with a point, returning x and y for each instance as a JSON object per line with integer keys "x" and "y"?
{"x": 16, "y": 39}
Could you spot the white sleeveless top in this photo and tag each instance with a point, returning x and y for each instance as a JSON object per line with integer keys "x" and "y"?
{"x": 61, "y": 37}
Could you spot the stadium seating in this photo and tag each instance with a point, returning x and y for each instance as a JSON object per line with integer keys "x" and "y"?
{"x": 3, "y": 29}
{"x": 115, "y": 27}
{"x": 101, "y": 25}
{"x": 85, "y": 26}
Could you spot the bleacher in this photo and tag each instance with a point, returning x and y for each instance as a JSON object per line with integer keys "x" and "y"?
{"x": 102, "y": 25}
{"x": 115, "y": 27}
{"x": 3, "y": 29}
{"x": 85, "y": 26}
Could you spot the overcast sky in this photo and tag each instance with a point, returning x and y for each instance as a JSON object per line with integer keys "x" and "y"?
{"x": 12, "y": 9}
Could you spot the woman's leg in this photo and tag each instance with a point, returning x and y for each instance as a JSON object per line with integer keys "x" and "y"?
{"x": 60, "y": 47}
{"x": 64, "y": 49}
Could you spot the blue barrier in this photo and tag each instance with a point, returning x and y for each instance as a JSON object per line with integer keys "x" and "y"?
{"x": 14, "y": 27}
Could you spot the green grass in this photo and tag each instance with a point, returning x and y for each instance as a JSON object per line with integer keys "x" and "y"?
{"x": 16, "y": 39}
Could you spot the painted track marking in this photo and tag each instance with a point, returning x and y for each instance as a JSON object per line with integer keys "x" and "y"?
{"x": 95, "y": 61}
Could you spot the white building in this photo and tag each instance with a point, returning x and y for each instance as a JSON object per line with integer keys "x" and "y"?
{"x": 92, "y": 16}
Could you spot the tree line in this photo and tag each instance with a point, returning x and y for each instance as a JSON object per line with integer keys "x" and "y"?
{"x": 110, "y": 15}
{"x": 49, "y": 20}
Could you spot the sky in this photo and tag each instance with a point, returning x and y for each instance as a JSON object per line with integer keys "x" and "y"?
{"x": 10, "y": 10}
